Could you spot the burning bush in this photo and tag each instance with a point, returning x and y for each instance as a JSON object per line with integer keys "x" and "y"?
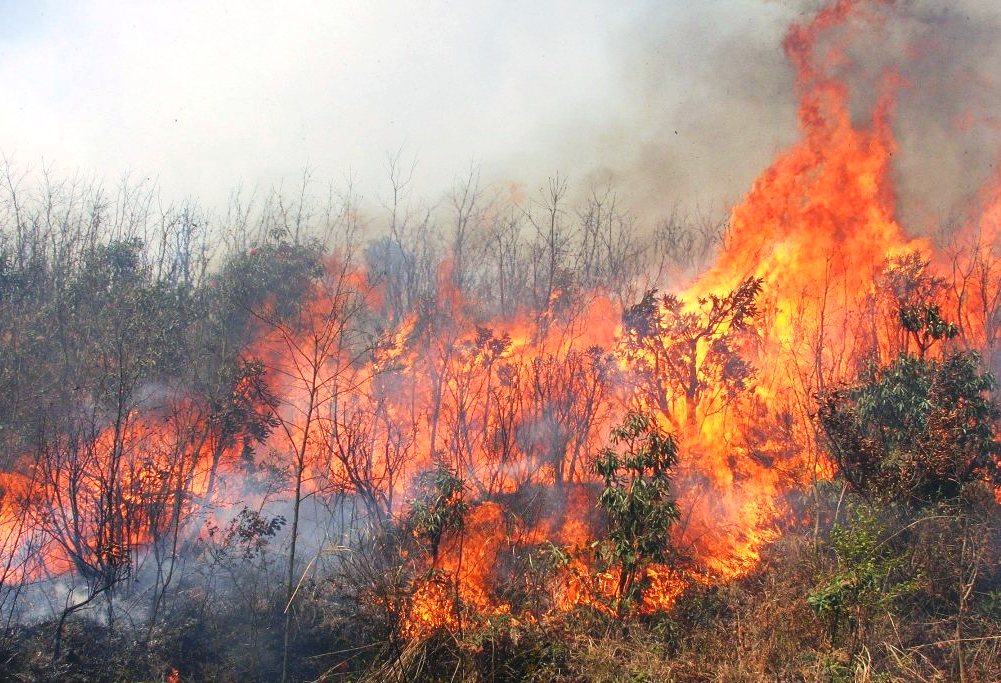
{"x": 917, "y": 430}
{"x": 638, "y": 502}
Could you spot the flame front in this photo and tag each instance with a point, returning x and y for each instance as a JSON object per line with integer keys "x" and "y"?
{"x": 518, "y": 406}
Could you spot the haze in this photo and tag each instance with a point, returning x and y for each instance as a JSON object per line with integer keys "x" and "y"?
{"x": 677, "y": 103}
{"x": 205, "y": 97}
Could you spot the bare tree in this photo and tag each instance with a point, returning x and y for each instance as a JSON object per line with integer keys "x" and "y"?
{"x": 315, "y": 352}
{"x": 553, "y": 238}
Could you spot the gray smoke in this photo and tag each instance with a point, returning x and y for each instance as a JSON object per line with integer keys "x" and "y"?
{"x": 708, "y": 99}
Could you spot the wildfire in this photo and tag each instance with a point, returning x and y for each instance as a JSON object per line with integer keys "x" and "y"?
{"x": 517, "y": 407}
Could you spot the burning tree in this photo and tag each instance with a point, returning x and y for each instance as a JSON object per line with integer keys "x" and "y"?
{"x": 438, "y": 506}
{"x": 637, "y": 499}
{"x": 692, "y": 352}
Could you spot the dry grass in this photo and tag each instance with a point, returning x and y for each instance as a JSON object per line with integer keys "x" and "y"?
{"x": 757, "y": 629}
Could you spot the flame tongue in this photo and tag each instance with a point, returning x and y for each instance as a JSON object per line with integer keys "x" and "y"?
{"x": 817, "y": 227}
{"x": 824, "y": 210}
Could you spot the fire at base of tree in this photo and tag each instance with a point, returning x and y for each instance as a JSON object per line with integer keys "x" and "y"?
{"x": 478, "y": 444}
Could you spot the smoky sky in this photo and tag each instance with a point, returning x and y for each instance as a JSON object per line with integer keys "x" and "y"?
{"x": 719, "y": 100}
{"x": 677, "y": 103}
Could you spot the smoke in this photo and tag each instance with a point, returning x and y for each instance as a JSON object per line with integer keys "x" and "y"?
{"x": 707, "y": 100}
{"x": 942, "y": 61}
{"x": 676, "y": 104}
{"x": 702, "y": 102}
{"x": 947, "y": 127}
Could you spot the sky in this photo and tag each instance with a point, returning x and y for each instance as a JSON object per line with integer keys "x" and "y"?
{"x": 676, "y": 102}
{"x": 206, "y": 97}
